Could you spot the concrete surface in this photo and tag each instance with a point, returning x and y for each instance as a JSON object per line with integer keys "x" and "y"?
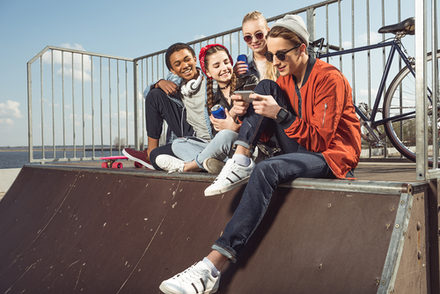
{"x": 7, "y": 177}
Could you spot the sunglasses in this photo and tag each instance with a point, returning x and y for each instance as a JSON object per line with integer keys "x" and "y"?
{"x": 258, "y": 35}
{"x": 281, "y": 55}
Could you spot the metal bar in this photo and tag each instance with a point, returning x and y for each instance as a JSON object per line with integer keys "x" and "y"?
{"x": 29, "y": 102}
{"x": 110, "y": 106}
{"x": 395, "y": 249}
{"x": 135, "y": 107}
{"x": 126, "y": 104}
{"x": 119, "y": 110}
{"x": 53, "y": 106}
{"x": 421, "y": 105}
{"x": 47, "y": 48}
{"x": 101, "y": 106}
{"x": 434, "y": 38}
{"x": 64, "y": 106}
{"x": 353, "y": 58}
{"x": 73, "y": 108}
{"x": 340, "y": 32}
{"x": 42, "y": 106}
{"x": 82, "y": 105}
{"x": 93, "y": 106}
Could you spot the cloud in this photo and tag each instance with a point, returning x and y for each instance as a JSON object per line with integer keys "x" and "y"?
{"x": 79, "y": 62}
{"x": 9, "y": 110}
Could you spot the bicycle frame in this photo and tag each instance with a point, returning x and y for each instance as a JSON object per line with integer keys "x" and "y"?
{"x": 395, "y": 46}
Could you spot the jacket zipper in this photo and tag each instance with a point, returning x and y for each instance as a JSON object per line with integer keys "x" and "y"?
{"x": 325, "y": 110}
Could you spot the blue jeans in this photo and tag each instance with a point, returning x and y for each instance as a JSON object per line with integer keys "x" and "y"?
{"x": 267, "y": 175}
{"x": 190, "y": 148}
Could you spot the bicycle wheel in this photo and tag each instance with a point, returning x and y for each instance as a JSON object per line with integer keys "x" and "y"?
{"x": 399, "y": 109}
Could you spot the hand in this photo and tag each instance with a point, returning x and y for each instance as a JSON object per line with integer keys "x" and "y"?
{"x": 227, "y": 123}
{"x": 167, "y": 86}
{"x": 265, "y": 105}
{"x": 240, "y": 106}
{"x": 240, "y": 68}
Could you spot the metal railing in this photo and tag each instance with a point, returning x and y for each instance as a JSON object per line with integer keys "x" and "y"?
{"x": 75, "y": 85}
{"x": 78, "y": 94}
{"x": 424, "y": 110}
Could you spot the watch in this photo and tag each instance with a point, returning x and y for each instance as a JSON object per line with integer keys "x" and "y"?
{"x": 282, "y": 115}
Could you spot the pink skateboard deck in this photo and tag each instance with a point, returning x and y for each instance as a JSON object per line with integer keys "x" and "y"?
{"x": 113, "y": 162}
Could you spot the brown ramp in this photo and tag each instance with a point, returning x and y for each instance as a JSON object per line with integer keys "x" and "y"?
{"x": 99, "y": 231}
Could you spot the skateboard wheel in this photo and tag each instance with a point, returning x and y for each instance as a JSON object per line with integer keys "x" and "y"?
{"x": 137, "y": 165}
{"x": 104, "y": 165}
{"x": 117, "y": 165}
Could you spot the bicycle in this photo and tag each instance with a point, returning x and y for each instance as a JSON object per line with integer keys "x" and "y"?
{"x": 398, "y": 111}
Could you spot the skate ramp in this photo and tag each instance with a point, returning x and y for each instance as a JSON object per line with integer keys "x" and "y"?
{"x": 103, "y": 231}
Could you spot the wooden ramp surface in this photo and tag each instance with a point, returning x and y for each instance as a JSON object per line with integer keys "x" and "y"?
{"x": 104, "y": 231}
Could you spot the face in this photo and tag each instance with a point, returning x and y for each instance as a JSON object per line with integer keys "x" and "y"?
{"x": 295, "y": 60}
{"x": 183, "y": 64}
{"x": 219, "y": 67}
{"x": 252, "y": 28}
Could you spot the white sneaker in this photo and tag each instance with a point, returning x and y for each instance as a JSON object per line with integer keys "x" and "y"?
{"x": 213, "y": 165}
{"x": 170, "y": 163}
{"x": 231, "y": 176}
{"x": 195, "y": 279}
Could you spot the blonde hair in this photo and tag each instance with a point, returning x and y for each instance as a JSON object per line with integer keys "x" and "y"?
{"x": 254, "y": 15}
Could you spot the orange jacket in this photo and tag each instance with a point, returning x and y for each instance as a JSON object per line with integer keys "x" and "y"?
{"x": 325, "y": 121}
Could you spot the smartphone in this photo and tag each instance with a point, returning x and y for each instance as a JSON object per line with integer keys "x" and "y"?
{"x": 245, "y": 95}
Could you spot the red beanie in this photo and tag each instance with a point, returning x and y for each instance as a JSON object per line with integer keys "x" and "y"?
{"x": 203, "y": 53}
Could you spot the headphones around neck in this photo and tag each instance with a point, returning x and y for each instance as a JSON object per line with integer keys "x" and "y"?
{"x": 191, "y": 87}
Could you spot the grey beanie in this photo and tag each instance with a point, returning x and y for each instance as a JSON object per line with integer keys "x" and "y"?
{"x": 295, "y": 24}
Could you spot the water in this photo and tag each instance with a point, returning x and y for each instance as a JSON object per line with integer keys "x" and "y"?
{"x": 19, "y": 157}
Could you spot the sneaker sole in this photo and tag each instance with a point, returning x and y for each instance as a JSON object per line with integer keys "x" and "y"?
{"x": 226, "y": 189}
{"x": 167, "y": 291}
{"x": 147, "y": 165}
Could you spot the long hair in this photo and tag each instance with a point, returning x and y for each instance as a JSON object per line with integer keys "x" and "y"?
{"x": 210, "y": 85}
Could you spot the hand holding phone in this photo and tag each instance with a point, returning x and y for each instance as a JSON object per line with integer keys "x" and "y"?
{"x": 245, "y": 95}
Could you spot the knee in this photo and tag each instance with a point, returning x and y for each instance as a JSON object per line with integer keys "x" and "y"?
{"x": 226, "y": 136}
{"x": 154, "y": 96}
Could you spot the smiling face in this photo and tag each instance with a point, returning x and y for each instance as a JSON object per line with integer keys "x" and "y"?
{"x": 183, "y": 64}
{"x": 219, "y": 67}
{"x": 295, "y": 60}
{"x": 252, "y": 28}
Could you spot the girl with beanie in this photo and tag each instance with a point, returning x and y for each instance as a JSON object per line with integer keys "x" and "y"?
{"x": 192, "y": 154}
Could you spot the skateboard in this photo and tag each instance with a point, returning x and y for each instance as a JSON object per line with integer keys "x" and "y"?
{"x": 113, "y": 162}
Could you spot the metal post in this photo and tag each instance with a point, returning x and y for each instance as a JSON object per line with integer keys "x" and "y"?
{"x": 434, "y": 83}
{"x": 29, "y": 93}
{"x": 421, "y": 106}
{"x": 311, "y": 23}
{"x": 135, "y": 103}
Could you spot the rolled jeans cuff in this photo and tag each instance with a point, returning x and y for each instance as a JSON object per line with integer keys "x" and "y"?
{"x": 224, "y": 252}
{"x": 243, "y": 143}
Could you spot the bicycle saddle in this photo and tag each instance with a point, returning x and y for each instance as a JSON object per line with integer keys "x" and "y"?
{"x": 406, "y": 26}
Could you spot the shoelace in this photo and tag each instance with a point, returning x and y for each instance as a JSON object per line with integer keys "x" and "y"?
{"x": 191, "y": 274}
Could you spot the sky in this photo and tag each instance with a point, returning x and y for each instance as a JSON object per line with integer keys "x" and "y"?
{"x": 120, "y": 28}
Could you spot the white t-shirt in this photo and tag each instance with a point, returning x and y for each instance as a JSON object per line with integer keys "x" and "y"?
{"x": 261, "y": 66}
{"x": 195, "y": 112}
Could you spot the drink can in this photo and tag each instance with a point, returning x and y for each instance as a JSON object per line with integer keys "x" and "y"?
{"x": 242, "y": 57}
{"x": 218, "y": 111}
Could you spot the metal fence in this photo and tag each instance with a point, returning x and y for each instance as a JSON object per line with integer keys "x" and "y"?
{"x": 89, "y": 104}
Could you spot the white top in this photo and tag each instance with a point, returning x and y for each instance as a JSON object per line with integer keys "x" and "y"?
{"x": 195, "y": 112}
{"x": 261, "y": 66}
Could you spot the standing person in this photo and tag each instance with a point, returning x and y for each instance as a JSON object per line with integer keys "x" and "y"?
{"x": 255, "y": 29}
{"x": 180, "y": 102}
{"x": 192, "y": 154}
{"x": 311, "y": 109}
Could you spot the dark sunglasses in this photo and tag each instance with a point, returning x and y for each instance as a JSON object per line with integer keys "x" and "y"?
{"x": 281, "y": 55}
{"x": 258, "y": 35}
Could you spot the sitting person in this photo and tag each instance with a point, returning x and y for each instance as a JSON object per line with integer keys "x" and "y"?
{"x": 192, "y": 154}
{"x": 310, "y": 108}
{"x": 255, "y": 29}
{"x": 180, "y": 102}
